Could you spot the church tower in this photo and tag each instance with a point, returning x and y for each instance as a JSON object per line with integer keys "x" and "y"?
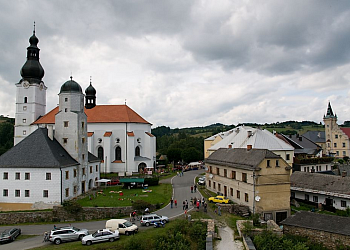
{"x": 30, "y": 92}
{"x": 330, "y": 123}
{"x": 90, "y": 97}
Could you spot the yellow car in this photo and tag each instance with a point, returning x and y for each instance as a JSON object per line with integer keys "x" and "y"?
{"x": 219, "y": 199}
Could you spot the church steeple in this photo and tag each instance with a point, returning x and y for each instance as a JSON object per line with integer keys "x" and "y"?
{"x": 330, "y": 113}
{"x": 90, "y": 96}
{"x": 32, "y": 71}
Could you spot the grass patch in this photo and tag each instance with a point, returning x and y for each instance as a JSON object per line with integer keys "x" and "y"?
{"x": 160, "y": 194}
{"x": 199, "y": 215}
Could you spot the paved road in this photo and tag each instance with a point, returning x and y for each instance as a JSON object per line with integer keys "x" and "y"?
{"x": 181, "y": 192}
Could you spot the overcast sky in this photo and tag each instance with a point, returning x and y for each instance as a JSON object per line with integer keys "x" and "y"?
{"x": 187, "y": 63}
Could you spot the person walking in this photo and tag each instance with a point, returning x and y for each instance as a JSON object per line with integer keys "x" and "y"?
{"x": 171, "y": 203}
{"x": 205, "y": 207}
{"x": 175, "y": 202}
{"x": 186, "y": 205}
{"x": 195, "y": 188}
{"x": 183, "y": 205}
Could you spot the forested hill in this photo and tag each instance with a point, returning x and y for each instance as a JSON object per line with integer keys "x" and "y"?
{"x": 6, "y": 133}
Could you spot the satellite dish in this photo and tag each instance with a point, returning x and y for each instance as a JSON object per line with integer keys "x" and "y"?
{"x": 211, "y": 176}
{"x": 257, "y": 198}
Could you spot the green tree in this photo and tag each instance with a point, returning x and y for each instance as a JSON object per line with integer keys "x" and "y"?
{"x": 190, "y": 154}
{"x": 174, "y": 154}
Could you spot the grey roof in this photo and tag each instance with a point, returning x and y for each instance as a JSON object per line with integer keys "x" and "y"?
{"x": 321, "y": 222}
{"x": 316, "y": 136}
{"x": 302, "y": 144}
{"x": 320, "y": 182}
{"x": 242, "y": 136}
{"x": 92, "y": 158}
{"x": 240, "y": 158}
{"x": 37, "y": 150}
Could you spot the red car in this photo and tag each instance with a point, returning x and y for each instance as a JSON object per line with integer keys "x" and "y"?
{"x": 113, "y": 182}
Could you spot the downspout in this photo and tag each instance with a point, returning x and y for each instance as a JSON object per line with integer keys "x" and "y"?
{"x": 61, "y": 186}
{"x": 126, "y": 147}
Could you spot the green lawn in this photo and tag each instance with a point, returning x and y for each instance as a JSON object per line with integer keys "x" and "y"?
{"x": 109, "y": 196}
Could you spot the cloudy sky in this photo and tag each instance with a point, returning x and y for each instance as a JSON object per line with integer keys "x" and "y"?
{"x": 187, "y": 63}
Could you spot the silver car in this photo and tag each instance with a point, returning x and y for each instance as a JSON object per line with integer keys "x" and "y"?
{"x": 100, "y": 236}
{"x": 149, "y": 219}
{"x": 67, "y": 234}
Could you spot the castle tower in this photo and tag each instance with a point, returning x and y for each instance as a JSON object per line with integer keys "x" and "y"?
{"x": 330, "y": 123}
{"x": 30, "y": 92}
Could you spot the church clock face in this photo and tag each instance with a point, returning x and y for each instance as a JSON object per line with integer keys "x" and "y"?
{"x": 25, "y": 84}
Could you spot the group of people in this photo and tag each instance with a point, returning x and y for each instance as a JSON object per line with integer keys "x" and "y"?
{"x": 180, "y": 173}
{"x": 173, "y": 202}
{"x": 198, "y": 202}
{"x": 194, "y": 188}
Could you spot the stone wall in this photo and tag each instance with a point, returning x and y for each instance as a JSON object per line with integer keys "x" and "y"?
{"x": 330, "y": 240}
{"x": 58, "y": 214}
{"x": 240, "y": 210}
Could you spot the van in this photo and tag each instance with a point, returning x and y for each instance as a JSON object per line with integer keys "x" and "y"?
{"x": 124, "y": 226}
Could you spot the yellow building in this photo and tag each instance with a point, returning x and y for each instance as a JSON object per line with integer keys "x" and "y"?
{"x": 337, "y": 138}
{"x": 257, "y": 178}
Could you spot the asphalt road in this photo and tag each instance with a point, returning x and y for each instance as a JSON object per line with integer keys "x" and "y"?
{"x": 181, "y": 192}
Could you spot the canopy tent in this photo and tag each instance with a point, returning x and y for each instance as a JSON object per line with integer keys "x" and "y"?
{"x": 105, "y": 181}
{"x": 131, "y": 180}
{"x": 194, "y": 163}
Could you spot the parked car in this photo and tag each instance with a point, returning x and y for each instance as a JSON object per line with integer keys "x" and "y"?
{"x": 113, "y": 182}
{"x": 149, "y": 219}
{"x": 219, "y": 199}
{"x": 201, "y": 181}
{"x": 9, "y": 235}
{"x": 100, "y": 236}
{"x": 63, "y": 234}
{"x": 123, "y": 226}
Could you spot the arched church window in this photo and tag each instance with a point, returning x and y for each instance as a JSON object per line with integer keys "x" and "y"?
{"x": 25, "y": 99}
{"x": 100, "y": 153}
{"x": 137, "y": 151}
{"x": 118, "y": 154}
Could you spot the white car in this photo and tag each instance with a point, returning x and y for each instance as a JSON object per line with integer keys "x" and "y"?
{"x": 100, "y": 236}
{"x": 201, "y": 181}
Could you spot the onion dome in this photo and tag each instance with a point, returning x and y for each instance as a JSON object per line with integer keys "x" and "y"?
{"x": 90, "y": 91}
{"x": 90, "y": 96}
{"x": 32, "y": 69}
{"x": 71, "y": 87}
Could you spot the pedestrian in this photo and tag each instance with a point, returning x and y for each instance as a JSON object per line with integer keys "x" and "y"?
{"x": 171, "y": 203}
{"x": 185, "y": 213}
{"x": 195, "y": 188}
{"x": 177, "y": 173}
{"x": 205, "y": 207}
{"x": 54, "y": 227}
{"x": 183, "y": 205}
{"x": 186, "y": 204}
{"x": 175, "y": 202}
{"x": 203, "y": 201}
{"x": 197, "y": 206}
{"x": 219, "y": 210}
{"x": 191, "y": 189}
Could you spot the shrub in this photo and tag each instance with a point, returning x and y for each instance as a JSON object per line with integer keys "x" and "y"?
{"x": 72, "y": 206}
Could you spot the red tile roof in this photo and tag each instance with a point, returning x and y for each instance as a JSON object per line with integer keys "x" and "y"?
{"x": 107, "y": 134}
{"x": 346, "y": 131}
{"x": 130, "y": 133}
{"x": 101, "y": 114}
{"x": 90, "y": 134}
{"x": 150, "y": 135}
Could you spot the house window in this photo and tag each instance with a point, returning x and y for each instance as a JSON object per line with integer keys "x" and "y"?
{"x": 83, "y": 140}
{"x": 67, "y": 192}
{"x": 65, "y": 110}
{"x": 343, "y": 203}
{"x": 75, "y": 189}
{"x": 100, "y": 153}
{"x": 17, "y": 193}
{"x": 292, "y": 194}
{"x": 137, "y": 151}
{"x": 238, "y": 194}
{"x": 315, "y": 199}
{"x": 48, "y": 176}
{"x": 344, "y": 153}
{"x": 277, "y": 163}
{"x": 336, "y": 136}
{"x": 83, "y": 125}
{"x": 244, "y": 177}
{"x": 231, "y": 191}
{"x": 90, "y": 169}
{"x": 344, "y": 145}
{"x": 84, "y": 171}
{"x": 328, "y": 145}
{"x": 24, "y": 120}
{"x": 335, "y": 144}
{"x": 210, "y": 169}
{"x": 27, "y": 176}
{"x": 83, "y": 156}
{"x": 217, "y": 171}
{"x": 67, "y": 175}
{"x": 5, "y": 192}
{"x": 246, "y": 198}
{"x": 214, "y": 184}
{"x": 96, "y": 168}
{"x": 18, "y": 176}
{"x": 288, "y": 157}
{"x": 209, "y": 183}
{"x": 24, "y": 132}
{"x": 45, "y": 193}
{"x": 26, "y": 193}
{"x": 25, "y": 99}
{"x": 24, "y": 108}
{"x": 306, "y": 197}
{"x": 118, "y": 153}
{"x": 233, "y": 174}
{"x": 337, "y": 153}
{"x": 6, "y": 176}
{"x": 268, "y": 163}
{"x": 66, "y": 99}
{"x": 219, "y": 187}
{"x": 65, "y": 124}
{"x": 74, "y": 173}
{"x": 225, "y": 172}
{"x": 65, "y": 140}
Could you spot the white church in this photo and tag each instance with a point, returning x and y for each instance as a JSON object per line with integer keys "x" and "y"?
{"x": 61, "y": 154}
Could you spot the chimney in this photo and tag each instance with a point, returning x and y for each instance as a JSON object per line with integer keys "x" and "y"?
{"x": 344, "y": 174}
{"x": 50, "y": 132}
{"x": 249, "y": 147}
{"x": 250, "y": 133}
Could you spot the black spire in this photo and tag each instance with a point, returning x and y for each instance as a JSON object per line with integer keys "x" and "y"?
{"x": 330, "y": 113}
{"x": 32, "y": 70}
{"x": 90, "y": 96}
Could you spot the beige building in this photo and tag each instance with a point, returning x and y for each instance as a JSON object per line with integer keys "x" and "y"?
{"x": 257, "y": 178}
{"x": 337, "y": 138}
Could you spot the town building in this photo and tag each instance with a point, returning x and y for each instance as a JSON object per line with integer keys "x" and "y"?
{"x": 257, "y": 178}
{"x": 337, "y": 138}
